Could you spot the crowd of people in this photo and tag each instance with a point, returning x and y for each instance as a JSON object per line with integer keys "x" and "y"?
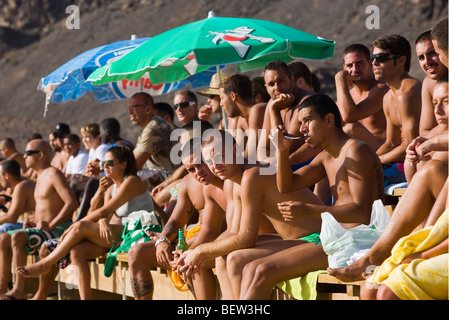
{"x": 249, "y": 190}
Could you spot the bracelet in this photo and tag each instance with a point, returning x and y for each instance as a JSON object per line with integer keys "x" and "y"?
{"x": 158, "y": 241}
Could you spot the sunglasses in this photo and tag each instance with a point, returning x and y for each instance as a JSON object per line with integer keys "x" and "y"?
{"x": 109, "y": 163}
{"x": 183, "y": 105}
{"x": 383, "y": 57}
{"x": 31, "y": 152}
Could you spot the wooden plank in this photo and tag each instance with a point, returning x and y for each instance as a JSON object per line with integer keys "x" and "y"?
{"x": 398, "y": 192}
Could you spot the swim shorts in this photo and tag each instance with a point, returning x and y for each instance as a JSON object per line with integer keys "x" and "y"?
{"x": 10, "y": 226}
{"x": 314, "y": 237}
{"x": 35, "y": 237}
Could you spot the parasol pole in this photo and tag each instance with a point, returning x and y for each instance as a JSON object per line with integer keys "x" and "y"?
{"x": 223, "y": 112}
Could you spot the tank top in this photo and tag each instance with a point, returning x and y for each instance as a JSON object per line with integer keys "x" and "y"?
{"x": 140, "y": 202}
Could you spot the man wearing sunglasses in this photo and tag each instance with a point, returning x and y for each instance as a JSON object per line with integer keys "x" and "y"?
{"x": 185, "y": 105}
{"x": 360, "y": 97}
{"x": 55, "y": 205}
{"x": 402, "y": 103}
{"x": 434, "y": 70}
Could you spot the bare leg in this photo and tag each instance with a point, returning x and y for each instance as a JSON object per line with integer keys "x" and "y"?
{"x": 413, "y": 208}
{"x": 18, "y": 242}
{"x": 223, "y": 279}
{"x": 263, "y": 274}
{"x": 78, "y": 232}
{"x": 140, "y": 258}
{"x": 80, "y": 255}
{"x": 5, "y": 261}
{"x": 45, "y": 280}
{"x": 237, "y": 260}
{"x": 205, "y": 283}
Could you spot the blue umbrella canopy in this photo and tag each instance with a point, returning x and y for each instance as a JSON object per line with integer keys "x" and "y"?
{"x": 68, "y": 82}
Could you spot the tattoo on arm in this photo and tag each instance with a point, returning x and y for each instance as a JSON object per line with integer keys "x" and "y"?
{"x": 141, "y": 287}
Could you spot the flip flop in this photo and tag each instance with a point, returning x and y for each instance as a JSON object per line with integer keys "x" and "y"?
{"x": 9, "y": 297}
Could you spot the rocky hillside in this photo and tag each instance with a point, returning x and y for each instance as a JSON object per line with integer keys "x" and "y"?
{"x": 34, "y": 41}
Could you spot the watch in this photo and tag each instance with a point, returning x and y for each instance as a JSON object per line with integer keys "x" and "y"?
{"x": 161, "y": 240}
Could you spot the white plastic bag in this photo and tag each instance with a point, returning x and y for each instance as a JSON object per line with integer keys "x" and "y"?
{"x": 345, "y": 246}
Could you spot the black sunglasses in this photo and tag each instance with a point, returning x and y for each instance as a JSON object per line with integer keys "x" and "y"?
{"x": 183, "y": 105}
{"x": 31, "y": 152}
{"x": 383, "y": 57}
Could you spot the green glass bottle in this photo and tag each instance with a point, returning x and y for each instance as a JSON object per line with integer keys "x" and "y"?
{"x": 182, "y": 244}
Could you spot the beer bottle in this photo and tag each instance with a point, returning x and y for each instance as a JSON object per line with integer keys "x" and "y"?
{"x": 182, "y": 244}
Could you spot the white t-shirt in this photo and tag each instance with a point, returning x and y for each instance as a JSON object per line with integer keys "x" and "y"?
{"x": 98, "y": 153}
{"x": 77, "y": 165}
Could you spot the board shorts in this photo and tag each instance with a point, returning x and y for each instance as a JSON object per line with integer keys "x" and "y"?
{"x": 36, "y": 237}
{"x": 314, "y": 237}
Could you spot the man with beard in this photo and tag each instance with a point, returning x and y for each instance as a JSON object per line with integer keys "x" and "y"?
{"x": 361, "y": 106}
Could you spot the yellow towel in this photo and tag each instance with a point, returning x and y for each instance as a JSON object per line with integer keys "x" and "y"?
{"x": 175, "y": 278}
{"x": 302, "y": 288}
{"x": 421, "y": 279}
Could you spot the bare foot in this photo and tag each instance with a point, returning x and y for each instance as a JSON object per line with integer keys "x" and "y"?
{"x": 359, "y": 270}
{"x": 33, "y": 270}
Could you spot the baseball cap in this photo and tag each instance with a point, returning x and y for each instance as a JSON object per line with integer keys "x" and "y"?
{"x": 63, "y": 127}
{"x": 214, "y": 85}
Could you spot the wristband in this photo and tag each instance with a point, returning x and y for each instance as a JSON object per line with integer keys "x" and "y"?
{"x": 158, "y": 241}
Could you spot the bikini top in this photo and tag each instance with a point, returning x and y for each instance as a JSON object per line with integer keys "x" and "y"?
{"x": 137, "y": 203}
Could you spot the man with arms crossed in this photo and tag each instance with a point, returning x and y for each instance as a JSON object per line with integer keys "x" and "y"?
{"x": 361, "y": 106}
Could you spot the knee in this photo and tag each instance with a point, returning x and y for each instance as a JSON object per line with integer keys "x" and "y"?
{"x": 43, "y": 251}
{"x": 5, "y": 241}
{"x": 385, "y": 293}
{"x": 137, "y": 254}
{"x": 235, "y": 263}
{"x": 18, "y": 239}
{"x": 259, "y": 272}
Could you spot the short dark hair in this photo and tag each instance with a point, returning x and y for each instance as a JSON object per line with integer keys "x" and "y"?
{"x": 239, "y": 84}
{"x": 73, "y": 137}
{"x": 439, "y": 33}
{"x": 147, "y": 98}
{"x": 358, "y": 47}
{"x": 11, "y": 166}
{"x": 395, "y": 44}
{"x": 323, "y": 105}
{"x": 300, "y": 70}
{"x": 423, "y": 37}
{"x": 163, "y": 108}
{"x": 276, "y": 65}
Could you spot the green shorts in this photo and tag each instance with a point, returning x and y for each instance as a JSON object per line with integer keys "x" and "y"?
{"x": 35, "y": 237}
{"x": 314, "y": 237}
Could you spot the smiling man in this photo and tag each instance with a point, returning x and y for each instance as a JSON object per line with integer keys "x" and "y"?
{"x": 434, "y": 69}
{"x": 186, "y": 106}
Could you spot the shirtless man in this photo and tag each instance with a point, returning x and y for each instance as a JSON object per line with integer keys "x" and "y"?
{"x": 434, "y": 69}
{"x": 55, "y": 204}
{"x": 60, "y": 158}
{"x": 285, "y": 96}
{"x": 250, "y": 195}
{"x": 426, "y": 185}
{"x": 402, "y": 103}
{"x": 199, "y": 191}
{"x": 9, "y": 151}
{"x": 22, "y": 201}
{"x": 360, "y": 96}
{"x": 236, "y": 99}
{"x": 356, "y": 180}
{"x": 440, "y": 40}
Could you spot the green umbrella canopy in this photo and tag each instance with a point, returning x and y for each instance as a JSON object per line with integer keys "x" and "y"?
{"x": 181, "y": 52}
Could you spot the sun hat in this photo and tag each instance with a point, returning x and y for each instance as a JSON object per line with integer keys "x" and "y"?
{"x": 214, "y": 85}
